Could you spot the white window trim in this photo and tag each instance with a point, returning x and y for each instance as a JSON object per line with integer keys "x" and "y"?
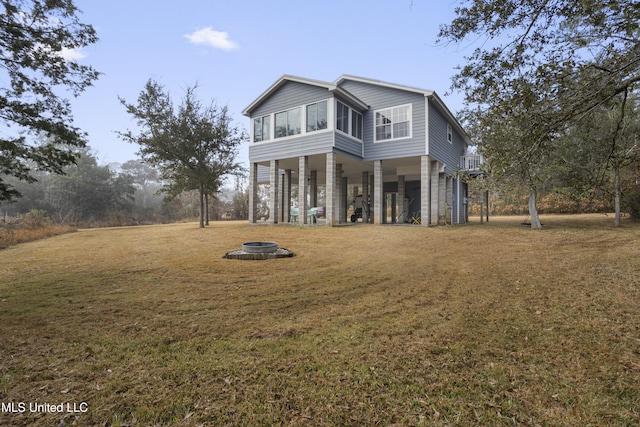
{"x": 303, "y": 122}
{"x": 376, "y": 141}
{"x": 253, "y": 129}
{"x": 449, "y": 133}
{"x": 304, "y": 107}
{"x": 348, "y": 117}
{"x": 349, "y": 121}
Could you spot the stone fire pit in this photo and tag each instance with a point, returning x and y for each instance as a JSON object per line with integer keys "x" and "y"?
{"x": 259, "y": 250}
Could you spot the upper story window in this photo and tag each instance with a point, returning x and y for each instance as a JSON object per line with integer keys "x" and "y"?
{"x": 342, "y": 117}
{"x": 262, "y": 128}
{"x": 393, "y": 123}
{"x": 449, "y": 134}
{"x": 356, "y": 124}
{"x": 288, "y": 122}
{"x": 317, "y": 116}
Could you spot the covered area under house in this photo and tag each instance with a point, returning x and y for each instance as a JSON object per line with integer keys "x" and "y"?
{"x": 412, "y": 190}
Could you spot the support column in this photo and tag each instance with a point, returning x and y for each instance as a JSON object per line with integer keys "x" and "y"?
{"x": 313, "y": 182}
{"x": 371, "y": 197}
{"x": 425, "y": 190}
{"x": 339, "y": 199}
{"x": 330, "y": 191}
{"x": 442, "y": 197}
{"x": 253, "y": 192}
{"x": 303, "y": 165}
{"x": 435, "y": 197}
{"x": 402, "y": 215}
{"x": 365, "y": 196}
{"x": 378, "y": 204}
{"x": 345, "y": 200}
{"x": 273, "y": 192}
{"x": 286, "y": 199}
{"x": 449, "y": 197}
{"x": 280, "y": 198}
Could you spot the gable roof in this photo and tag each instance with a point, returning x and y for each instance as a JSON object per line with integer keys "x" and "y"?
{"x": 427, "y": 93}
{"x": 344, "y": 77}
{"x": 331, "y": 87}
{"x": 335, "y": 88}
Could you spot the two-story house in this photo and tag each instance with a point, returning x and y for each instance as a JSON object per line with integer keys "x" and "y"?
{"x": 400, "y": 146}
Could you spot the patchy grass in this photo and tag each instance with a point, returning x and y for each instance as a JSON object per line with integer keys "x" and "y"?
{"x": 489, "y": 324}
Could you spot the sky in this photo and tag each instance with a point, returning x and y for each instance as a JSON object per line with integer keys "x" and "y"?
{"x": 234, "y": 50}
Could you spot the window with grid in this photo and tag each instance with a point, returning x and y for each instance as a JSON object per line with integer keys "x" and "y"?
{"x": 393, "y": 123}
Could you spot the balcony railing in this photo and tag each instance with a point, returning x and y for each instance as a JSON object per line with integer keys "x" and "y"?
{"x": 471, "y": 162}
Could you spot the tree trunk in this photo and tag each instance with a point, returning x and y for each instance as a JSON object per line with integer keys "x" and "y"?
{"x": 617, "y": 195}
{"x": 206, "y": 209}
{"x": 533, "y": 211}
{"x": 201, "y": 206}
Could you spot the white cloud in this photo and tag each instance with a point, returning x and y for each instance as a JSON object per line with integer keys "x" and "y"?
{"x": 208, "y": 36}
{"x": 71, "y": 54}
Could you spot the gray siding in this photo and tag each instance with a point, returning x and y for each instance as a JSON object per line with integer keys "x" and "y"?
{"x": 348, "y": 144}
{"x": 439, "y": 147}
{"x": 289, "y": 95}
{"x": 307, "y": 145}
{"x": 378, "y": 97}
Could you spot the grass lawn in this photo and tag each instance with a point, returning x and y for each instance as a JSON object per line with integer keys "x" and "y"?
{"x": 489, "y": 324}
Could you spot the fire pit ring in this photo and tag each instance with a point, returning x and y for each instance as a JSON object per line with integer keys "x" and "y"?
{"x": 259, "y": 250}
{"x": 259, "y": 247}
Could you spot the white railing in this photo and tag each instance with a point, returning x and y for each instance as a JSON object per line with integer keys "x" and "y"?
{"x": 471, "y": 162}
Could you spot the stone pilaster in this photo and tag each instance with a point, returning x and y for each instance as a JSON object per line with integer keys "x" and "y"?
{"x": 273, "y": 192}
{"x": 378, "y": 204}
{"x": 286, "y": 199}
{"x": 330, "y": 192}
{"x": 303, "y": 165}
{"x": 365, "y": 195}
{"x": 339, "y": 199}
{"x": 435, "y": 193}
{"x": 313, "y": 183}
{"x": 425, "y": 189}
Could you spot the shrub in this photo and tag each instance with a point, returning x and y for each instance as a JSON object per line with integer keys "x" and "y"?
{"x": 35, "y": 219}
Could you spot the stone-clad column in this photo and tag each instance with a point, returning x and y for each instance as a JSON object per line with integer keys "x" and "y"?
{"x": 345, "y": 199}
{"x": 286, "y": 199}
{"x": 253, "y": 192}
{"x": 330, "y": 192}
{"x": 273, "y": 192}
{"x": 280, "y": 198}
{"x": 378, "y": 205}
{"x": 425, "y": 189}
{"x": 303, "y": 165}
{"x": 338, "y": 203}
{"x": 435, "y": 193}
{"x": 365, "y": 195}
{"x": 313, "y": 183}
{"x": 372, "y": 196}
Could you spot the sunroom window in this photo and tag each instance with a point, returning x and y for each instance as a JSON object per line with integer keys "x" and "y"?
{"x": 317, "y": 116}
{"x": 261, "y": 129}
{"x": 342, "y": 117}
{"x": 356, "y": 124}
{"x": 288, "y": 122}
{"x": 393, "y": 123}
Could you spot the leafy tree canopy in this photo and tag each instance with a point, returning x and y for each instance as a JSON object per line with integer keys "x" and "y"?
{"x": 194, "y": 145}
{"x": 543, "y": 66}
{"x": 35, "y": 35}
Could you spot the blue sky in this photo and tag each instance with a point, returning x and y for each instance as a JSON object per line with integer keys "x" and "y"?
{"x": 236, "y": 49}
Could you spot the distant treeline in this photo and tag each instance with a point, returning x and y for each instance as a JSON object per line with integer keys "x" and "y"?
{"x": 89, "y": 194}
